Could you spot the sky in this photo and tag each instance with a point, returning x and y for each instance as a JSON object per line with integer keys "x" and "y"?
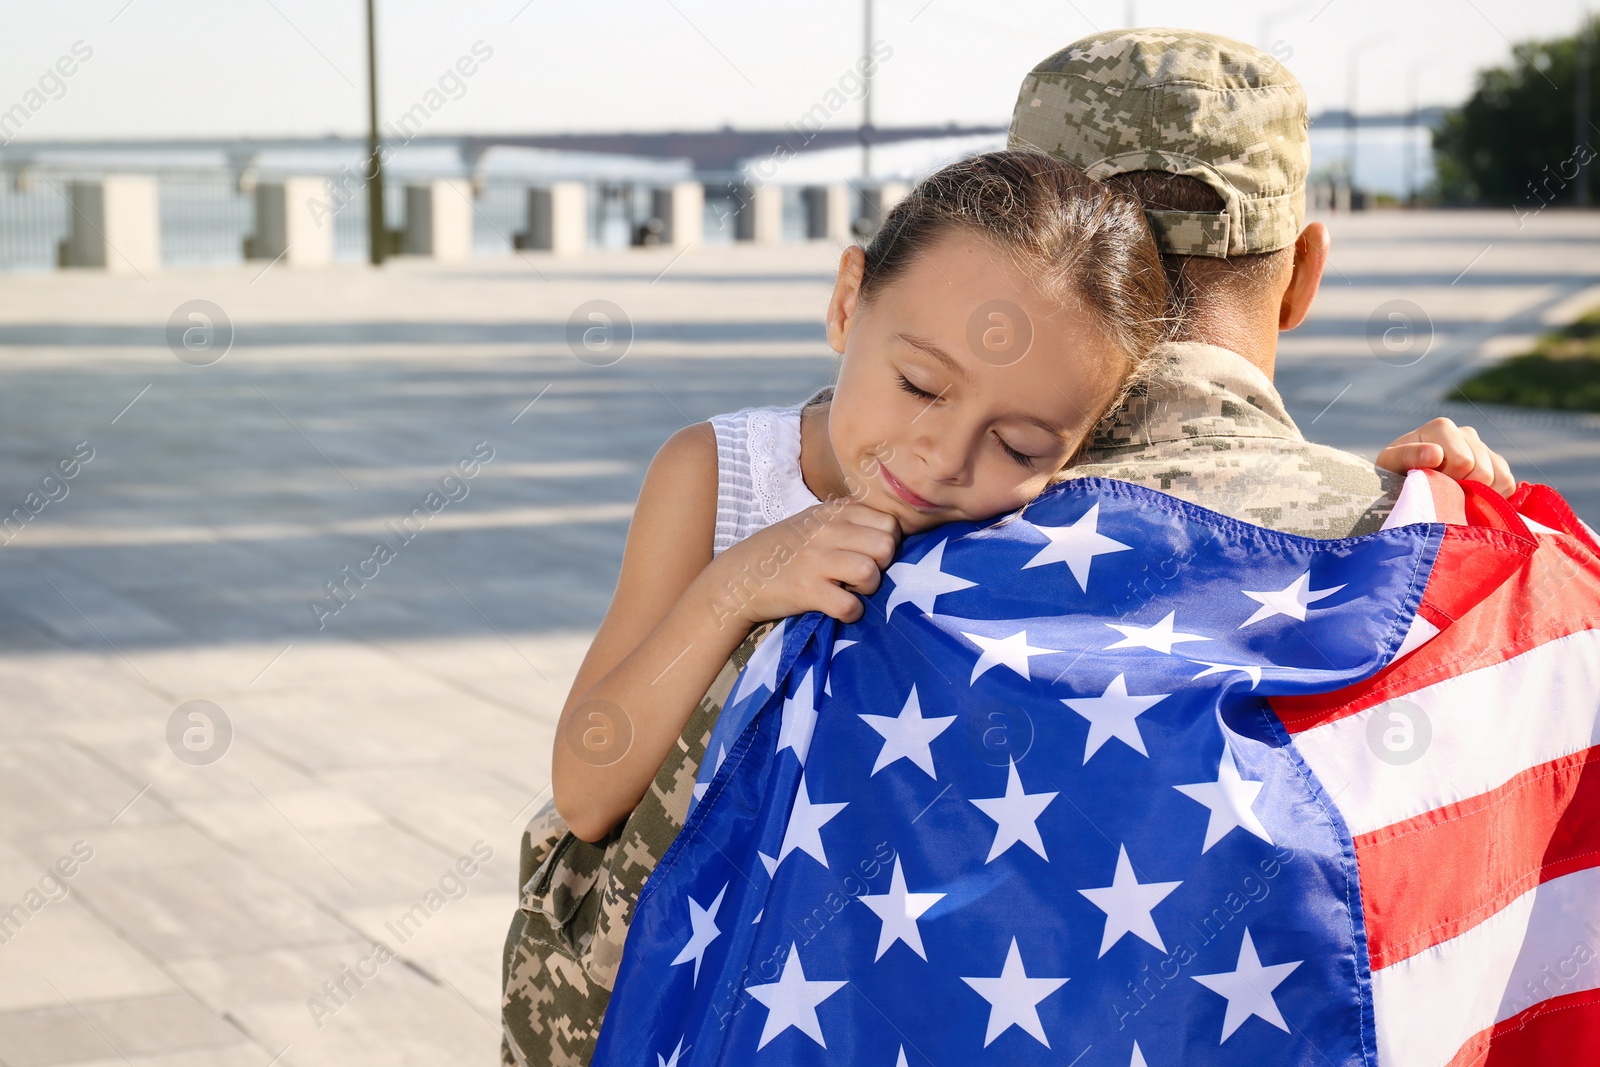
{"x": 223, "y": 68}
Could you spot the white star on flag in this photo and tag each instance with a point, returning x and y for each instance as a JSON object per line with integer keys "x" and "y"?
{"x": 1114, "y": 714}
{"x": 703, "y": 923}
{"x": 806, "y": 821}
{"x": 673, "y": 1062}
{"x": 827, "y": 679}
{"x": 907, "y": 736}
{"x": 900, "y": 911}
{"x": 1014, "y": 815}
{"x": 1230, "y": 798}
{"x": 792, "y": 1001}
{"x": 1248, "y": 989}
{"x": 1127, "y": 903}
{"x": 921, "y": 583}
{"x": 1291, "y": 601}
{"x": 1010, "y": 652}
{"x": 799, "y": 719}
{"x": 1249, "y": 670}
{"x": 1159, "y": 637}
{"x": 701, "y": 787}
{"x": 1138, "y": 1057}
{"x": 1014, "y": 998}
{"x": 1076, "y": 546}
{"x": 762, "y": 669}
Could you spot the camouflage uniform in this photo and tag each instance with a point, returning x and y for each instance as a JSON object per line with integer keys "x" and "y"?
{"x": 565, "y": 943}
{"x": 1207, "y": 426}
{"x": 1186, "y": 103}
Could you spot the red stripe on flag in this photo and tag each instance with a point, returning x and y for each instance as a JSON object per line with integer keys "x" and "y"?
{"x": 1428, "y": 879}
{"x": 1544, "y": 505}
{"x": 1564, "y": 1029}
{"x": 1556, "y": 593}
{"x": 1448, "y": 498}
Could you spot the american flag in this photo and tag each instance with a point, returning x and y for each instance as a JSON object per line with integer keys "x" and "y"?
{"x": 1122, "y": 781}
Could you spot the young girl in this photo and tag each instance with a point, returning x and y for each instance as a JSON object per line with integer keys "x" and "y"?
{"x": 1032, "y": 291}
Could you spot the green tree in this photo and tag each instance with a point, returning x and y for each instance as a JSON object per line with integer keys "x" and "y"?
{"x": 1515, "y": 141}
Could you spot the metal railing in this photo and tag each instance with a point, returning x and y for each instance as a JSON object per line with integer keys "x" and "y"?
{"x": 204, "y": 219}
{"x": 34, "y": 219}
{"x": 206, "y": 214}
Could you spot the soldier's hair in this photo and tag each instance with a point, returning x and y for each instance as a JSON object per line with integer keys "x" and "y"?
{"x": 1069, "y": 234}
{"x": 1192, "y": 279}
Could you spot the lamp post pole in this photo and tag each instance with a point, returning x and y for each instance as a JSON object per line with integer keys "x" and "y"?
{"x": 377, "y": 232}
{"x": 1580, "y": 188}
{"x": 1413, "y": 120}
{"x": 1350, "y": 115}
{"x": 1278, "y": 15}
{"x": 866, "y": 94}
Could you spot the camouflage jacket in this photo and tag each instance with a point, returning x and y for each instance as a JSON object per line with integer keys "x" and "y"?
{"x": 577, "y": 898}
{"x": 1207, "y": 427}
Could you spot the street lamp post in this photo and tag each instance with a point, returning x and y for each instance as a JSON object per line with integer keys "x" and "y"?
{"x": 1580, "y": 186}
{"x": 1413, "y": 120}
{"x": 1350, "y": 114}
{"x": 1276, "y": 16}
{"x": 377, "y": 234}
{"x": 866, "y": 93}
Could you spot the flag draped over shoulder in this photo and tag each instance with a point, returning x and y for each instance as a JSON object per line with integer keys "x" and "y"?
{"x": 1477, "y": 830}
{"x": 1117, "y": 782}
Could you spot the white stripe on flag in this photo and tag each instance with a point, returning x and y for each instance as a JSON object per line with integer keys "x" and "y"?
{"x": 1415, "y": 503}
{"x": 1420, "y": 633}
{"x": 1484, "y": 728}
{"x": 1546, "y": 943}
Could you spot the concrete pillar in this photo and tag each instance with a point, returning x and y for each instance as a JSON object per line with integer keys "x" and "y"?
{"x": 878, "y": 201}
{"x": 439, "y": 220}
{"x": 828, "y": 213}
{"x": 558, "y": 219}
{"x": 682, "y": 207}
{"x": 760, "y": 216}
{"x": 289, "y": 228}
{"x": 116, "y": 225}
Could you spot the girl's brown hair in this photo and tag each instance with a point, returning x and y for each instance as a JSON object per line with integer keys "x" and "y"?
{"x": 1071, "y": 235}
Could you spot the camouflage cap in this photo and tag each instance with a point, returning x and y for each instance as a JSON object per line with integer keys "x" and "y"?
{"x": 1185, "y": 102}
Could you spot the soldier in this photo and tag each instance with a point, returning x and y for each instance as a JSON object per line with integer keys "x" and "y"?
{"x": 1211, "y": 135}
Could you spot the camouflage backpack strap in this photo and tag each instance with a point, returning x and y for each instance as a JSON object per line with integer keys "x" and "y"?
{"x": 565, "y": 942}
{"x": 550, "y": 1010}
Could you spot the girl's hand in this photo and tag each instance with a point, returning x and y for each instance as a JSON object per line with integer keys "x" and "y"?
{"x": 1458, "y": 451}
{"x": 816, "y": 560}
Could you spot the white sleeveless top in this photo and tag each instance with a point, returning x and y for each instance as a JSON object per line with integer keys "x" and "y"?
{"x": 758, "y": 471}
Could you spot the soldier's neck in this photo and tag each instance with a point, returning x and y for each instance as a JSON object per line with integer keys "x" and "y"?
{"x": 1252, "y": 332}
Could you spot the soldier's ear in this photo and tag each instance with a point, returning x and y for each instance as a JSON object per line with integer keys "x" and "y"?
{"x": 846, "y": 298}
{"x": 1310, "y": 257}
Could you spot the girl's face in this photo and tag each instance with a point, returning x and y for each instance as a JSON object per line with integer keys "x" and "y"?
{"x": 961, "y": 383}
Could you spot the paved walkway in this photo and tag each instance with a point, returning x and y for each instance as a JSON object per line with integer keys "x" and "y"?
{"x": 361, "y": 770}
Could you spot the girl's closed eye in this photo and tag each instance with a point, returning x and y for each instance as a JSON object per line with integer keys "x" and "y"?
{"x": 913, "y": 390}
{"x": 1021, "y": 458}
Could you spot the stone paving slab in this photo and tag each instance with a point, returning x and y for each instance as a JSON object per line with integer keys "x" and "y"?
{"x": 371, "y": 753}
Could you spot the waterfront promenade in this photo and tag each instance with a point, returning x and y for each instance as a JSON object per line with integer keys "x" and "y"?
{"x": 260, "y": 778}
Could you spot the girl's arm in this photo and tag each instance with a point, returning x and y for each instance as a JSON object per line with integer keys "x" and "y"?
{"x": 662, "y": 642}
{"x": 678, "y": 614}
